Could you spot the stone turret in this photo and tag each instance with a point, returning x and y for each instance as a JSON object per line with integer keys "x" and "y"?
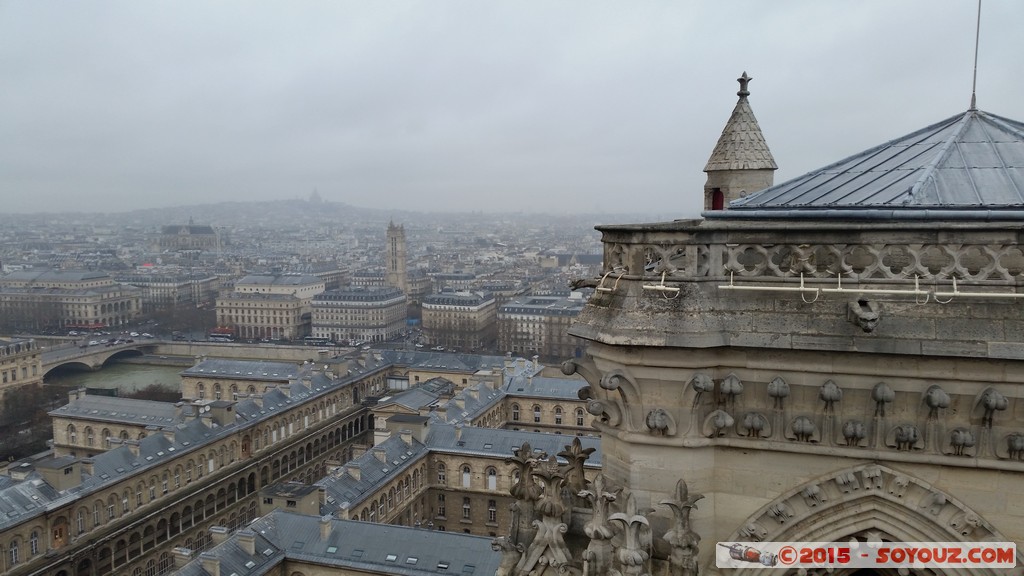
{"x": 741, "y": 162}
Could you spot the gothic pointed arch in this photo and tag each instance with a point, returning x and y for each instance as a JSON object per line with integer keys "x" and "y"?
{"x": 865, "y": 502}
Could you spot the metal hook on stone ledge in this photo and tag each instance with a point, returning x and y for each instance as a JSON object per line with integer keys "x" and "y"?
{"x": 663, "y": 289}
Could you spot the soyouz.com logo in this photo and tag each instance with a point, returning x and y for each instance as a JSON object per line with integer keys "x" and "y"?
{"x": 856, "y": 554}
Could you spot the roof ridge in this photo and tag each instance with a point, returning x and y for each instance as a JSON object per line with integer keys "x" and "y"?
{"x": 944, "y": 151}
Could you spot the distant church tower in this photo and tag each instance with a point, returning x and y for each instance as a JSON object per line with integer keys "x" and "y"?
{"x": 396, "y": 275}
{"x": 741, "y": 162}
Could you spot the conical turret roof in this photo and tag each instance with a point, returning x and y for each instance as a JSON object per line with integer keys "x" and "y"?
{"x": 741, "y": 145}
{"x": 967, "y": 166}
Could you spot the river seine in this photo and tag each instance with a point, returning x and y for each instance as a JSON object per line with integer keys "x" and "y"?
{"x": 122, "y": 376}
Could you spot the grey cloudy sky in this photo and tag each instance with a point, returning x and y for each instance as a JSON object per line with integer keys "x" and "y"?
{"x": 519, "y": 105}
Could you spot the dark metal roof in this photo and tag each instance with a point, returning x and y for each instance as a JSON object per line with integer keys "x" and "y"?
{"x": 967, "y": 166}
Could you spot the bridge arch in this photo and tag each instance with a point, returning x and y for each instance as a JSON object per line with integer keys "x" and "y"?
{"x": 869, "y": 503}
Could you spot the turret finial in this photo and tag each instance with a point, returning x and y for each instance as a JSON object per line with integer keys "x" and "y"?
{"x": 743, "y": 80}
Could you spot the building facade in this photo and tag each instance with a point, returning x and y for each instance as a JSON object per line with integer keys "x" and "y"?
{"x": 171, "y": 291}
{"x": 360, "y": 314}
{"x": 465, "y": 321}
{"x": 20, "y": 364}
{"x": 59, "y": 299}
{"x": 539, "y": 325}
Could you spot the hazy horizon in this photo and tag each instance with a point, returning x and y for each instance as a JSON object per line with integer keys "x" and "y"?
{"x": 460, "y": 106}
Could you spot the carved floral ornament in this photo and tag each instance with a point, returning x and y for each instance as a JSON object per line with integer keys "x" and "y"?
{"x": 617, "y": 529}
{"x": 840, "y": 417}
{"x": 904, "y": 508}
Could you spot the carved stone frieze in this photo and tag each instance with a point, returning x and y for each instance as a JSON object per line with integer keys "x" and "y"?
{"x": 797, "y": 515}
{"x": 858, "y": 262}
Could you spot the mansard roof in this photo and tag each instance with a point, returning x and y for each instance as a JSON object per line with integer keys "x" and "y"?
{"x": 741, "y": 145}
{"x": 968, "y": 166}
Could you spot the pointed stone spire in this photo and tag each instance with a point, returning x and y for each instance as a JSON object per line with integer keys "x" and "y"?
{"x": 741, "y": 161}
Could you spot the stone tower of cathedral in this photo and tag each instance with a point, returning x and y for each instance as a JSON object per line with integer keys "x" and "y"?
{"x": 741, "y": 161}
{"x": 395, "y": 261}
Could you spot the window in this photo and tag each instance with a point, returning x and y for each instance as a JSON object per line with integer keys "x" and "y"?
{"x": 291, "y": 503}
{"x": 95, "y": 515}
{"x": 163, "y": 483}
{"x": 440, "y": 505}
{"x": 442, "y": 477}
{"x": 269, "y": 501}
{"x": 466, "y": 476}
{"x": 579, "y": 416}
{"x": 465, "y": 509}
{"x": 492, "y": 479}
{"x": 515, "y": 412}
{"x": 14, "y": 553}
{"x": 152, "y": 490}
{"x": 492, "y": 511}
{"x": 536, "y": 413}
{"x": 33, "y": 544}
{"x": 558, "y": 416}
{"x": 81, "y": 521}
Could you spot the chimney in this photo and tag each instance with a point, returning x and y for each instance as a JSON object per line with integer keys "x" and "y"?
{"x": 353, "y": 470}
{"x": 473, "y": 392}
{"x": 508, "y": 360}
{"x": 182, "y": 556}
{"x": 133, "y": 447}
{"x": 179, "y": 411}
{"x": 247, "y": 541}
{"x": 535, "y": 363}
{"x": 219, "y": 534}
{"x": 87, "y": 466}
{"x": 406, "y": 435}
{"x": 381, "y": 455}
{"x": 325, "y": 527}
{"x": 76, "y": 394}
{"x": 257, "y": 399}
{"x": 459, "y": 403}
{"x": 458, "y": 432}
{"x": 168, "y": 433}
{"x": 210, "y": 563}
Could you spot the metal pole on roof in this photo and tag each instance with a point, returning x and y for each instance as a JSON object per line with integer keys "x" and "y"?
{"x": 974, "y": 81}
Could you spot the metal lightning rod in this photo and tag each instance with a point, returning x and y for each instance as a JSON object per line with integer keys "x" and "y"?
{"x": 974, "y": 82}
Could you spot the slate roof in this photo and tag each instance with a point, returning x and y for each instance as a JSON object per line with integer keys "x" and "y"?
{"x": 741, "y": 145}
{"x": 343, "y": 490}
{"x": 358, "y": 546}
{"x": 218, "y": 368}
{"x": 966, "y": 166}
{"x": 120, "y": 410}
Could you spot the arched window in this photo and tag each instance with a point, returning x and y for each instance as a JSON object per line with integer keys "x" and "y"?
{"x": 106, "y": 437}
{"x": 89, "y": 436}
{"x": 201, "y": 390}
{"x": 14, "y": 553}
{"x": 558, "y": 415}
{"x": 440, "y": 506}
{"x": 579, "y": 416}
{"x": 81, "y": 521}
{"x": 536, "y": 412}
{"x": 216, "y": 391}
{"x": 466, "y": 512}
{"x": 72, "y": 434}
{"x": 492, "y": 511}
{"x": 442, "y": 476}
{"x": 123, "y": 435}
{"x": 33, "y": 544}
{"x": 492, "y": 479}
{"x": 515, "y": 412}
{"x": 467, "y": 474}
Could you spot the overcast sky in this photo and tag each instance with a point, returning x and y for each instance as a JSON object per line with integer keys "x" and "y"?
{"x": 435, "y": 105}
